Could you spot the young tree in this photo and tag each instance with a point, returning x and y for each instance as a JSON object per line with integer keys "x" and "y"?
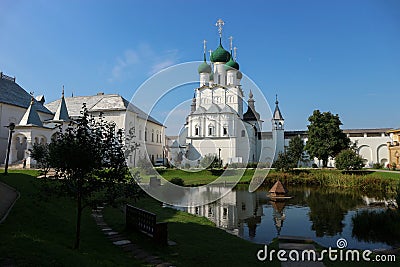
{"x": 89, "y": 161}
{"x": 295, "y": 150}
{"x": 131, "y": 145}
{"x": 210, "y": 161}
{"x": 283, "y": 162}
{"x": 347, "y": 159}
{"x": 40, "y": 153}
{"x": 325, "y": 138}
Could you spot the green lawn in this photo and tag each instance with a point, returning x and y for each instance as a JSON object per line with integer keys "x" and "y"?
{"x": 199, "y": 242}
{"x": 365, "y": 180}
{"x": 40, "y": 232}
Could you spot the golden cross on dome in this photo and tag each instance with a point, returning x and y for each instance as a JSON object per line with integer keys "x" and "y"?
{"x": 219, "y": 24}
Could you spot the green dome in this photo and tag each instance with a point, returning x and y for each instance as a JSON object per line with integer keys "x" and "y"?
{"x": 239, "y": 75}
{"x": 231, "y": 64}
{"x": 204, "y": 68}
{"x": 220, "y": 55}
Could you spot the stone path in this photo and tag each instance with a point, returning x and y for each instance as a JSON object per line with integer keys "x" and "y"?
{"x": 299, "y": 244}
{"x": 125, "y": 244}
{"x": 8, "y": 196}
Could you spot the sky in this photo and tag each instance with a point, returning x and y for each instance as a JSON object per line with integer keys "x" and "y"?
{"x": 338, "y": 56}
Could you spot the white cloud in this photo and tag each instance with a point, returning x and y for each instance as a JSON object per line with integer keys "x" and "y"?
{"x": 142, "y": 58}
{"x": 129, "y": 58}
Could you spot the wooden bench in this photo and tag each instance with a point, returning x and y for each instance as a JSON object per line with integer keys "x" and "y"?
{"x": 146, "y": 222}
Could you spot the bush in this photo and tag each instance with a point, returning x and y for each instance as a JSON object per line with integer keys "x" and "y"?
{"x": 210, "y": 161}
{"x": 314, "y": 165}
{"x": 377, "y": 166}
{"x": 146, "y": 166}
{"x": 393, "y": 166}
{"x": 284, "y": 163}
{"x": 178, "y": 181}
{"x": 347, "y": 159}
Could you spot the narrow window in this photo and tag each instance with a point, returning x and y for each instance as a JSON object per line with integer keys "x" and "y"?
{"x": 225, "y": 130}
{"x": 243, "y": 133}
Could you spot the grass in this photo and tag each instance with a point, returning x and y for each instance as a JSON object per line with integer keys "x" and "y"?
{"x": 366, "y": 181}
{"x": 40, "y": 231}
{"x": 199, "y": 242}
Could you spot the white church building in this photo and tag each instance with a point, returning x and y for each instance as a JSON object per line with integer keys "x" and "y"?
{"x": 217, "y": 124}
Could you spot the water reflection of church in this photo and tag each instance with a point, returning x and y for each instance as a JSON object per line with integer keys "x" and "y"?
{"x": 239, "y": 209}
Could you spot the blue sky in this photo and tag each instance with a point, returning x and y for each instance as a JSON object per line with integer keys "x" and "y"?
{"x": 338, "y": 56}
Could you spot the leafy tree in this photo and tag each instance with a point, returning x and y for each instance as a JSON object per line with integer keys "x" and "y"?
{"x": 131, "y": 146}
{"x": 347, "y": 159}
{"x": 90, "y": 163}
{"x": 283, "y": 162}
{"x": 210, "y": 161}
{"x": 40, "y": 153}
{"x": 325, "y": 138}
{"x": 295, "y": 150}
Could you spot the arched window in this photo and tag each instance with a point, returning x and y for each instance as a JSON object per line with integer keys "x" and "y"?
{"x": 211, "y": 130}
{"x": 243, "y": 133}
{"x": 152, "y": 135}
{"x": 157, "y": 136}
{"x": 196, "y": 130}
{"x": 225, "y": 130}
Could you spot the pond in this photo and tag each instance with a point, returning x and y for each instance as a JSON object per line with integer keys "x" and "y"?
{"x": 325, "y": 215}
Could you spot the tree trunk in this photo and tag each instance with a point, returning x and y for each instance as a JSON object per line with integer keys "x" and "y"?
{"x": 78, "y": 221}
{"x": 325, "y": 163}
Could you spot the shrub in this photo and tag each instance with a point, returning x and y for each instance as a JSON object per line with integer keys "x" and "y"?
{"x": 347, "y": 159}
{"x": 393, "y": 166}
{"x": 284, "y": 163}
{"x": 314, "y": 165}
{"x": 377, "y": 166}
{"x": 210, "y": 161}
{"x": 178, "y": 181}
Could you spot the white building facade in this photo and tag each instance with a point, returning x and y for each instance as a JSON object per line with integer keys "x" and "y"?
{"x": 37, "y": 122}
{"x": 217, "y": 124}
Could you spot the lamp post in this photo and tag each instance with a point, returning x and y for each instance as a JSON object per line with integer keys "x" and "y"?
{"x": 219, "y": 157}
{"x": 11, "y": 128}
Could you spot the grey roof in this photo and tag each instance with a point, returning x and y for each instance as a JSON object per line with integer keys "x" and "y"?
{"x": 277, "y": 113}
{"x": 99, "y": 102}
{"x": 13, "y": 94}
{"x": 376, "y": 130}
{"x": 228, "y": 109}
{"x": 214, "y": 108}
{"x": 62, "y": 112}
{"x": 251, "y": 115}
{"x": 31, "y": 117}
{"x": 199, "y": 110}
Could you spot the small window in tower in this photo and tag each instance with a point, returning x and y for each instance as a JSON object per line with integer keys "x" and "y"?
{"x": 225, "y": 130}
{"x": 210, "y": 130}
{"x": 196, "y": 130}
{"x": 243, "y": 133}
{"x": 224, "y": 213}
{"x": 152, "y": 135}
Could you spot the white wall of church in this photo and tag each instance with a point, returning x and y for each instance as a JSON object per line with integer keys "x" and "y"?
{"x": 8, "y": 114}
